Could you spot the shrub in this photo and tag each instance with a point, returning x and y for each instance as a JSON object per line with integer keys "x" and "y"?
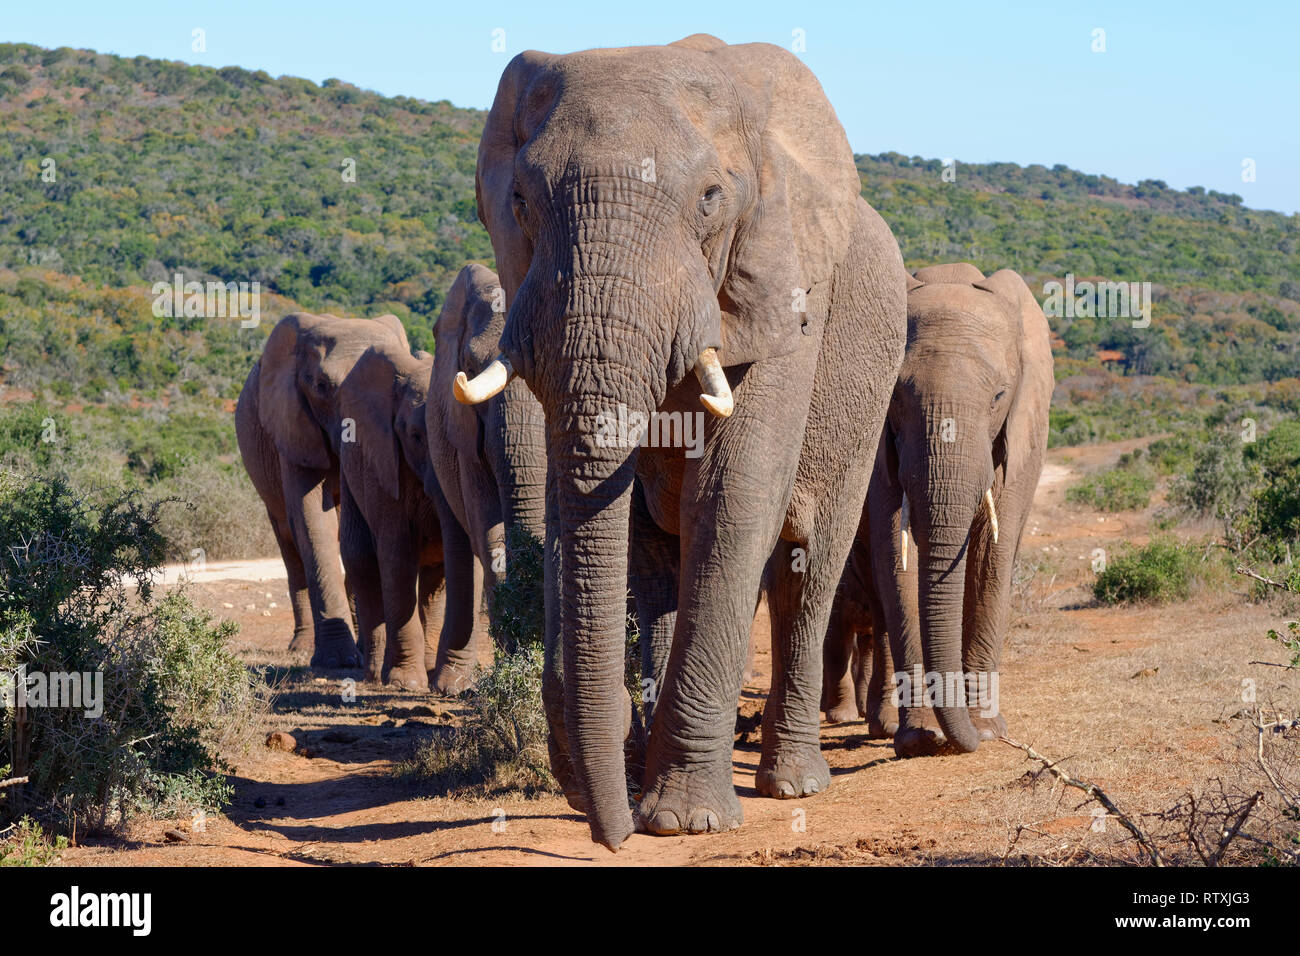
{"x": 28, "y": 845}
{"x": 1126, "y": 487}
{"x": 163, "y": 696}
{"x": 502, "y": 744}
{"x": 1162, "y": 571}
{"x": 519, "y": 602}
{"x": 213, "y": 508}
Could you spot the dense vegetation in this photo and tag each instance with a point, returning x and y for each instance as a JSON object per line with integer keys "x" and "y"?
{"x": 160, "y": 698}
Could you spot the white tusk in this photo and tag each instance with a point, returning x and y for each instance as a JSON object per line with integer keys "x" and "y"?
{"x": 902, "y": 529}
{"x": 715, "y": 393}
{"x": 993, "y": 514}
{"x": 485, "y": 384}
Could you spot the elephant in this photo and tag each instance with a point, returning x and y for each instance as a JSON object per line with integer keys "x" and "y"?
{"x": 955, "y": 470}
{"x": 856, "y": 660}
{"x": 680, "y": 227}
{"x": 489, "y": 459}
{"x": 288, "y": 429}
{"x": 411, "y": 563}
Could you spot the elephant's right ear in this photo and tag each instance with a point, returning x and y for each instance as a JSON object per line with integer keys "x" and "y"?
{"x": 283, "y": 411}
{"x": 495, "y": 176}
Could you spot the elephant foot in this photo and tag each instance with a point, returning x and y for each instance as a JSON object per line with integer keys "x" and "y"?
{"x": 883, "y": 723}
{"x": 990, "y": 728}
{"x": 797, "y": 770}
{"x": 303, "y": 641}
{"x": 336, "y": 653}
{"x": 452, "y": 680}
{"x": 408, "y": 678}
{"x": 700, "y": 800}
{"x": 843, "y": 712}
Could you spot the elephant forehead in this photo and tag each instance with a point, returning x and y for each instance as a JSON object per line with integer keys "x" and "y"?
{"x": 957, "y": 309}
{"x": 630, "y": 96}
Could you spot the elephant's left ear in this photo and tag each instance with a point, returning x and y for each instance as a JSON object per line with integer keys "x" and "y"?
{"x": 798, "y": 228}
{"x": 1027, "y": 422}
{"x": 369, "y": 397}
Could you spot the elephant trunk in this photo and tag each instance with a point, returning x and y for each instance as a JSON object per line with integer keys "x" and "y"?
{"x": 593, "y": 510}
{"x": 521, "y": 471}
{"x": 942, "y": 534}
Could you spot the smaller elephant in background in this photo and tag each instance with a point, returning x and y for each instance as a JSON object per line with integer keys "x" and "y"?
{"x": 956, "y": 470}
{"x": 410, "y": 562}
{"x": 288, "y": 428}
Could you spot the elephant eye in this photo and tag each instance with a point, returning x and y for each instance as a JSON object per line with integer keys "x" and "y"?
{"x": 520, "y": 201}
{"x": 711, "y": 200}
{"x": 999, "y": 396}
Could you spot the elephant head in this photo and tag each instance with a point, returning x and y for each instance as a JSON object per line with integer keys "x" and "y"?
{"x": 303, "y": 364}
{"x": 972, "y": 347}
{"x": 385, "y": 395}
{"x": 657, "y": 214}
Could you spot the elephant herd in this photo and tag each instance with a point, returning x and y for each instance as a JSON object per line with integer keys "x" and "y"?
{"x": 682, "y": 250}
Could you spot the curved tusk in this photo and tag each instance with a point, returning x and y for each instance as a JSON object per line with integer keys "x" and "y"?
{"x": 715, "y": 393}
{"x": 993, "y": 513}
{"x": 485, "y": 384}
{"x": 902, "y": 530}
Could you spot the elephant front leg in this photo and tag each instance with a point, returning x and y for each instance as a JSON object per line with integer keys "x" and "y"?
{"x": 358, "y": 549}
{"x": 304, "y": 631}
{"x": 987, "y": 608}
{"x": 404, "y": 658}
{"x": 800, "y": 580}
{"x": 873, "y": 682}
{"x": 314, "y": 522}
{"x": 456, "y": 657}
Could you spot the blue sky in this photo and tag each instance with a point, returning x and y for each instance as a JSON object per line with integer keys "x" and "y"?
{"x": 1184, "y": 92}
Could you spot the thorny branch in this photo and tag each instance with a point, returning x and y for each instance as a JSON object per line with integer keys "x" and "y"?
{"x": 1094, "y": 792}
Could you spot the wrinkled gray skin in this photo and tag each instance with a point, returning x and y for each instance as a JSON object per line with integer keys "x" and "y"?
{"x": 288, "y": 428}
{"x": 410, "y": 563}
{"x": 969, "y": 414}
{"x": 857, "y": 664}
{"x": 489, "y": 460}
{"x": 647, "y": 204}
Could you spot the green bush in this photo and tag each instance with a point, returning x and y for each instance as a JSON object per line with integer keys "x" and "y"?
{"x": 28, "y": 845}
{"x": 502, "y": 744}
{"x": 1126, "y": 487}
{"x": 1160, "y": 572}
{"x": 167, "y": 696}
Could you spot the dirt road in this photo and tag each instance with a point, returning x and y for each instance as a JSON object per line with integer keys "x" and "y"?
{"x": 1138, "y": 700}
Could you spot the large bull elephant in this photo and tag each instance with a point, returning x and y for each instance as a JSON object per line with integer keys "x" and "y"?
{"x": 410, "y": 562}
{"x": 956, "y": 470}
{"x": 679, "y": 228}
{"x": 288, "y": 428}
{"x": 488, "y": 459}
